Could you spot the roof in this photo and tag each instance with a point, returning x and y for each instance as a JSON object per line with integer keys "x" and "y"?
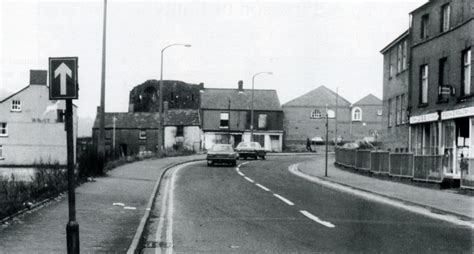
{"x": 188, "y": 117}
{"x": 394, "y": 42}
{"x": 320, "y": 96}
{"x": 369, "y": 100}
{"x": 146, "y": 120}
{"x": 421, "y": 6}
{"x": 129, "y": 120}
{"x": 10, "y": 96}
{"x": 218, "y": 98}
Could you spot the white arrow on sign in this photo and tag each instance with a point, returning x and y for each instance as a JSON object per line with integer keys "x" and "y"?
{"x": 62, "y": 71}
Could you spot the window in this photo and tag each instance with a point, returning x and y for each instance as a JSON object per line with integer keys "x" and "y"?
{"x": 142, "y": 134}
{"x": 262, "y": 121}
{"x": 424, "y": 26}
{"x": 179, "y": 131}
{"x": 1, "y": 152}
{"x": 224, "y": 120}
{"x": 398, "y": 110}
{"x": 16, "y": 105}
{"x": 443, "y": 75}
{"x": 403, "y": 108}
{"x": 390, "y": 70}
{"x": 466, "y": 72}
{"x": 404, "y": 60}
{"x": 399, "y": 58}
{"x": 3, "y": 130}
{"x": 424, "y": 84}
{"x": 108, "y": 134}
{"x": 379, "y": 112}
{"x": 315, "y": 114}
{"x": 60, "y": 116}
{"x": 390, "y": 119}
{"x": 357, "y": 114}
{"x": 445, "y": 17}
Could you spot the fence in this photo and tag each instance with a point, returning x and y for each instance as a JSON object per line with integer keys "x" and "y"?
{"x": 362, "y": 160}
{"x": 379, "y": 162}
{"x": 467, "y": 174}
{"x": 401, "y": 164}
{"x": 428, "y": 168}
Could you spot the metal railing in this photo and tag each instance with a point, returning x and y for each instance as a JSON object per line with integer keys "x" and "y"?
{"x": 362, "y": 160}
{"x": 428, "y": 168}
{"x": 401, "y": 164}
{"x": 380, "y": 162}
{"x": 467, "y": 173}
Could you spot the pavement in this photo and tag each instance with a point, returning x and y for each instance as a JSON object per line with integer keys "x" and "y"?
{"x": 443, "y": 201}
{"x": 108, "y": 212}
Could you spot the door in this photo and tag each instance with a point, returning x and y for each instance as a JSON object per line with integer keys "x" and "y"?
{"x": 275, "y": 143}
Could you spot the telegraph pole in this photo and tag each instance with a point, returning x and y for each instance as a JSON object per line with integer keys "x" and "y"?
{"x": 228, "y": 129}
{"x": 101, "y": 141}
{"x": 337, "y": 98}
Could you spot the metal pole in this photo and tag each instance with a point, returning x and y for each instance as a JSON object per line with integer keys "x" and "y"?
{"x": 160, "y": 101}
{"x": 72, "y": 227}
{"x": 337, "y": 98}
{"x": 252, "y": 109}
{"x": 113, "y": 137}
{"x": 327, "y": 130}
{"x": 228, "y": 129}
{"x": 101, "y": 141}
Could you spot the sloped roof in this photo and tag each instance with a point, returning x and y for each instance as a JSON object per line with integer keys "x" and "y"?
{"x": 218, "y": 98}
{"x": 318, "y": 97}
{"x": 369, "y": 100}
{"x": 182, "y": 117}
{"x": 145, "y": 120}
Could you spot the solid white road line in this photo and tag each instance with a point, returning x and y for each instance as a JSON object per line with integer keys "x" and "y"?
{"x": 248, "y": 179}
{"x": 162, "y": 215}
{"x": 263, "y": 187}
{"x": 169, "y": 228}
{"x": 240, "y": 173}
{"x": 380, "y": 199}
{"x": 288, "y": 202}
{"x": 316, "y": 219}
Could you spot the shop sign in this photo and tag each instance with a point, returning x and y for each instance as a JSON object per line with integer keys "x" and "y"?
{"x": 424, "y": 118}
{"x": 462, "y": 112}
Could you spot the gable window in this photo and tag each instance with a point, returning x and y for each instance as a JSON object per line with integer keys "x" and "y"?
{"x": 404, "y": 59}
{"x": 179, "y": 131}
{"x": 16, "y": 106}
{"x": 142, "y": 134}
{"x": 445, "y": 17}
{"x": 224, "y": 123}
{"x": 357, "y": 114}
{"x": 315, "y": 114}
{"x": 424, "y": 84}
{"x": 108, "y": 134}
{"x": 3, "y": 130}
{"x": 425, "y": 19}
{"x": 1, "y": 152}
{"x": 379, "y": 112}
{"x": 262, "y": 121}
{"x": 466, "y": 72}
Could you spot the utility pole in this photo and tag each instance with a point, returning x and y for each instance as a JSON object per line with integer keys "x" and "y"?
{"x": 113, "y": 135}
{"x": 101, "y": 141}
{"x": 337, "y": 98}
{"x": 327, "y": 130}
{"x": 228, "y": 129}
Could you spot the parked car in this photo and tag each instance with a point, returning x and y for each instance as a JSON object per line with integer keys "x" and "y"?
{"x": 250, "y": 149}
{"x": 221, "y": 153}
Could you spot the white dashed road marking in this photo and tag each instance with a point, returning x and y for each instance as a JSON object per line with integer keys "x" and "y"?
{"x": 263, "y": 187}
{"x": 240, "y": 173}
{"x": 248, "y": 179}
{"x": 316, "y": 219}
{"x": 288, "y": 202}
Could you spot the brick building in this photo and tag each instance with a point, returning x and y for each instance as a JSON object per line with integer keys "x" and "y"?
{"x": 304, "y": 117}
{"x": 395, "y": 93}
{"x": 226, "y": 117}
{"x": 441, "y": 91}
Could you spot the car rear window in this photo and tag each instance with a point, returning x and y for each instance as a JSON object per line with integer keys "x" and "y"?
{"x": 222, "y": 148}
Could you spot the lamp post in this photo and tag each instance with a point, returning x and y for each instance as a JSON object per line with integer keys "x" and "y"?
{"x": 160, "y": 105}
{"x": 251, "y": 109}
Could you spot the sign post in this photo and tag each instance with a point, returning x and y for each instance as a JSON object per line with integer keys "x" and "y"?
{"x": 63, "y": 86}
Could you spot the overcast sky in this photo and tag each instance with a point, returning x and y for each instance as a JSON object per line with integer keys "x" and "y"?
{"x": 305, "y": 44}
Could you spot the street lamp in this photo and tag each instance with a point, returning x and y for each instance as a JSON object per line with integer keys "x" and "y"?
{"x": 160, "y": 105}
{"x": 251, "y": 109}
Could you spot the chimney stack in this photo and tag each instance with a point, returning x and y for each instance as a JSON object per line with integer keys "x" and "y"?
{"x": 241, "y": 86}
{"x": 38, "y": 77}
{"x": 201, "y": 86}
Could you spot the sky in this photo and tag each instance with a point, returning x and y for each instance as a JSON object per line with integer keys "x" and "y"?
{"x": 305, "y": 44}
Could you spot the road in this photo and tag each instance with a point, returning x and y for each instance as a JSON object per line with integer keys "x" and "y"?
{"x": 261, "y": 207}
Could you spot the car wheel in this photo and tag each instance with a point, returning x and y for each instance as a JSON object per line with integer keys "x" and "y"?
{"x": 263, "y": 157}
{"x": 210, "y": 163}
